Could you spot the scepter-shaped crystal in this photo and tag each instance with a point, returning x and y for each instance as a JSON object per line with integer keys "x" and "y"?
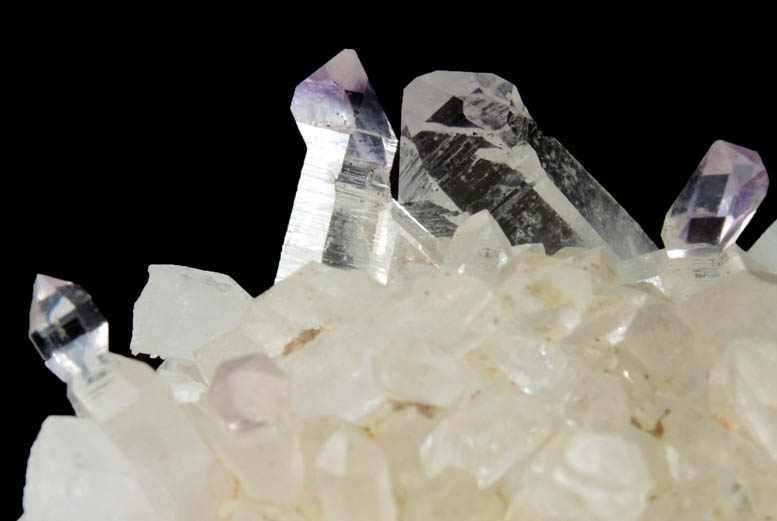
{"x": 66, "y": 328}
{"x": 718, "y": 201}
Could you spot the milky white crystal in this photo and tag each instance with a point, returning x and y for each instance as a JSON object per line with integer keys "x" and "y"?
{"x": 764, "y": 251}
{"x": 536, "y": 388}
{"x": 75, "y": 472}
{"x": 181, "y": 309}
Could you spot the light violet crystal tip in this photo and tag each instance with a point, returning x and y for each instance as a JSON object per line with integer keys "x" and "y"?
{"x": 718, "y": 201}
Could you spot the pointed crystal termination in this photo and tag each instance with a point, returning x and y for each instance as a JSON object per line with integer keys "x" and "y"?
{"x": 718, "y": 201}
{"x": 345, "y": 178}
{"x": 469, "y": 144}
{"x": 66, "y": 327}
{"x": 764, "y": 251}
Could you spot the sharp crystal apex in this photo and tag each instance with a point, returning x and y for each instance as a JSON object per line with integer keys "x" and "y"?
{"x": 718, "y": 201}
{"x": 469, "y": 144}
{"x": 66, "y": 327}
{"x": 344, "y": 184}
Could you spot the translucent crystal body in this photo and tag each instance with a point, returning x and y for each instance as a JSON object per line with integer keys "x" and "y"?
{"x": 66, "y": 327}
{"x": 253, "y": 433}
{"x": 764, "y": 251}
{"x": 181, "y": 309}
{"x": 718, "y": 201}
{"x": 469, "y": 144}
{"x": 345, "y": 179}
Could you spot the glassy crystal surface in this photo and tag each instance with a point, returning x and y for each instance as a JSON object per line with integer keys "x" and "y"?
{"x": 469, "y": 144}
{"x": 66, "y": 328}
{"x": 478, "y": 247}
{"x": 345, "y": 178}
{"x": 764, "y": 251}
{"x": 718, "y": 201}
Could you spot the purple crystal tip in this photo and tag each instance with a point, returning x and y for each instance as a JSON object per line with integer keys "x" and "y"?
{"x": 718, "y": 201}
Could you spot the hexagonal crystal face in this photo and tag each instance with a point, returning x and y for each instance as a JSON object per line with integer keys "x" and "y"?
{"x": 718, "y": 201}
{"x": 249, "y": 392}
{"x": 66, "y": 328}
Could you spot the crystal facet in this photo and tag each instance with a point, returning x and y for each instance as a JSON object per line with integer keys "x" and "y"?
{"x": 718, "y": 201}
{"x": 197, "y": 306}
{"x": 353, "y": 479}
{"x": 469, "y": 144}
{"x": 250, "y": 391}
{"x": 345, "y": 179}
{"x": 66, "y": 328}
{"x": 764, "y": 251}
{"x": 254, "y": 434}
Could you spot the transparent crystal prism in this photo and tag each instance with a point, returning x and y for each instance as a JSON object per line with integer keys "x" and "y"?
{"x": 718, "y": 201}
{"x": 469, "y": 144}
{"x": 66, "y": 328}
{"x": 345, "y": 178}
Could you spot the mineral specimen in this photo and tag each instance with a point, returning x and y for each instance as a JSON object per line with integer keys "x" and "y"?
{"x": 345, "y": 179}
{"x": 469, "y": 144}
{"x": 449, "y": 372}
{"x": 718, "y": 201}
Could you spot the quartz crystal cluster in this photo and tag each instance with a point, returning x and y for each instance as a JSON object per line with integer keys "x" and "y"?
{"x": 502, "y": 344}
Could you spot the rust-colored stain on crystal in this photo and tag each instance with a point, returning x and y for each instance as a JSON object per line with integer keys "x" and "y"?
{"x": 656, "y": 431}
{"x": 300, "y": 340}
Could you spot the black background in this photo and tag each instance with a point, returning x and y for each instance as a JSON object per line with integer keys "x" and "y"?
{"x": 172, "y": 142}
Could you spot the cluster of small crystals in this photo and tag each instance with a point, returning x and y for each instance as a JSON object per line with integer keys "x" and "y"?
{"x": 435, "y": 369}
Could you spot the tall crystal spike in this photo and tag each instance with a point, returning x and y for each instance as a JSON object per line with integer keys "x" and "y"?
{"x": 718, "y": 201}
{"x": 66, "y": 327}
{"x": 345, "y": 178}
{"x": 469, "y": 144}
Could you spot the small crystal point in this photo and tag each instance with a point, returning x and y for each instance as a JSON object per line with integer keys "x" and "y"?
{"x": 66, "y": 327}
{"x": 718, "y": 201}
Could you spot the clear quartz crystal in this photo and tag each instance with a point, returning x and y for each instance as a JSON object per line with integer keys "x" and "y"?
{"x": 66, "y": 328}
{"x": 718, "y": 201}
{"x": 469, "y": 144}
{"x": 344, "y": 183}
